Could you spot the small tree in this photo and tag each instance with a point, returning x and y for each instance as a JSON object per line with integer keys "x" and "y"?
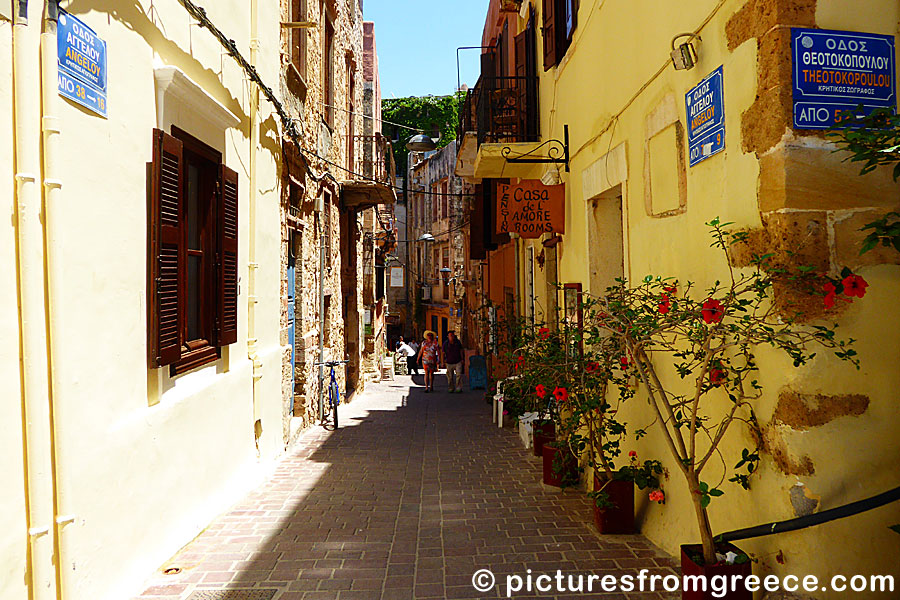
{"x": 708, "y": 344}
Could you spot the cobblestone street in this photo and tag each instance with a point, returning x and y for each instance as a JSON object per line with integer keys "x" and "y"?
{"x": 408, "y": 499}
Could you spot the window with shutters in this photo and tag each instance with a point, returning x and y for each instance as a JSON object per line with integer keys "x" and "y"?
{"x": 327, "y": 200}
{"x": 328, "y": 69}
{"x": 445, "y": 200}
{"x": 560, "y": 21}
{"x": 192, "y": 254}
{"x": 299, "y": 37}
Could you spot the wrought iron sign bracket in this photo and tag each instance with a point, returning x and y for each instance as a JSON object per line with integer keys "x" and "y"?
{"x": 557, "y": 152}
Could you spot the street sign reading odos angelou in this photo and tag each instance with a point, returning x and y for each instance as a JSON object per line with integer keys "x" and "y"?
{"x": 705, "y": 109}
{"x": 82, "y": 64}
{"x": 531, "y": 208}
{"x": 837, "y": 71}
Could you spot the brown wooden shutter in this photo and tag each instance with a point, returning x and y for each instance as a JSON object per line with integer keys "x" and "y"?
{"x": 532, "y": 105}
{"x": 476, "y": 226}
{"x": 165, "y": 256}
{"x": 521, "y": 87}
{"x": 548, "y": 32}
{"x": 227, "y": 216}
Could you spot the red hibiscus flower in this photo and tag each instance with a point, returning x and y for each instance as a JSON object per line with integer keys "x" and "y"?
{"x": 541, "y": 390}
{"x": 591, "y": 367}
{"x": 632, "y": 454}
{"x": 829, "y": 300}
{"x": 717, "y": 376}
{"x": 828, "y": 288}
{"x": 854, "y": 285}
{"x": 623, "y": 360}
{"x": 664, "y": 305}
{"x": 544, "y": 333}
{"x": 670, "y": 289}
{"x": 519, "y": 362}
{"x": 561, "y": 394}
{"x": 712, "y": 311}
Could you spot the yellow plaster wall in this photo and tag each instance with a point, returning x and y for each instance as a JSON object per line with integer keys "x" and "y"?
{"x": 145, "y": 461}
{"x": 616, "y": 52}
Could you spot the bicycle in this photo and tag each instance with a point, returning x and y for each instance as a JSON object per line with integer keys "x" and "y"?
{"x": 334, "y": 394}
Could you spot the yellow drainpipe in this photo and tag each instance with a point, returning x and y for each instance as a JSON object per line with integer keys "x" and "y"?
{"x": 39, "y": 484}
{"x": 65, "y": 564}
{"x": 253, "y": 266}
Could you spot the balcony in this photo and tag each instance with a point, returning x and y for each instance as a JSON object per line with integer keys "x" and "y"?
{"x": 373, "y": 178}
{"x": 498, "y": 112}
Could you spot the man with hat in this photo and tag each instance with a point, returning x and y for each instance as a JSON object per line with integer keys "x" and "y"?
{"x": 453, "y": 356}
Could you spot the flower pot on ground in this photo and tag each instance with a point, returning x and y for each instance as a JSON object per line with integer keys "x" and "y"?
{"x": 692, "y": 563}
{"x": 560, "y": 466}
{"x": 615, "y": 512}
{"x": 544, "y": 431}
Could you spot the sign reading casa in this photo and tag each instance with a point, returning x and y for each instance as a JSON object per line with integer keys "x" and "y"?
{"x": 837, "y": 71}
{"x": 82, "y": 64}
{"x": 530, "y": 208}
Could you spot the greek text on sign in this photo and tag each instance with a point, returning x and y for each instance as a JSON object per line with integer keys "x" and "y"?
{"x": 530, "y": 208}
{"x": 82, "y": 64}
{"x": 705, "y": 109}
{"x": 837, "y": 71}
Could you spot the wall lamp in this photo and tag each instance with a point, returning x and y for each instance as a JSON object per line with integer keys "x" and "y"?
{"x": 684, "y": 56}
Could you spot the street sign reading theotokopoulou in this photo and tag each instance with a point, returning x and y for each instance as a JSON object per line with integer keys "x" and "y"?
{"x": 836, "y": 71}
{"x": 530, "y": 208}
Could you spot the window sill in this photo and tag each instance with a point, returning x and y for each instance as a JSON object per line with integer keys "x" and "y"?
{"x": 194, "y": 359}
{"x": 296, "y": 82}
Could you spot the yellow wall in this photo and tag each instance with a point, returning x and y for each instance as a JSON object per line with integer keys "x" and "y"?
{"x": 618, "y": 47}
{"x": 144, "y": 460}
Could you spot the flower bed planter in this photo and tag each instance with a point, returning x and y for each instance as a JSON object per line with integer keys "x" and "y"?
{"x": 544, "y": 431}
{"x": 618, "y": 518}
{"x": 569, "y": 471}
{"x": 689, "y": 567}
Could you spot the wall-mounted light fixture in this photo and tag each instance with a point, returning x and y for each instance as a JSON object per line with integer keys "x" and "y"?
{"x": 684, "y": 55}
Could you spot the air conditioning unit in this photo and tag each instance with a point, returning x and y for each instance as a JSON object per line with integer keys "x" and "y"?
{"x": 426, "y": 292}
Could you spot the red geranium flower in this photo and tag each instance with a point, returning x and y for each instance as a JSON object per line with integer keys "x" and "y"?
{"x": 671, "y": 289}
{"x": 544, "y": 333}
{"x": 541, "y": 390}
{"x": 854, "y": 285}
{"x": 623, "y": 360}
{"x": 632, "y": 454}
{"x": 591, "y": 367}
{"x": 561, "y": 394}
{"x": 657, "y": 496}
{"x": 712, "y": 311}
{"x": 519, "y": 362}
{"x": 717, "y": 376}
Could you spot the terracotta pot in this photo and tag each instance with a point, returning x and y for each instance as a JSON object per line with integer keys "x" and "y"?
{"x": 719, "y": 570}
{"x": 618, "y": 518}
{"x": 543, "y": 432}
{"x": 570, "y": 466}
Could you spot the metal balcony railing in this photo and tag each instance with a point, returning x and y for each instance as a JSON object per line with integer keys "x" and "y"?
{"x": 372, "y": 158}
{"x": 501, "y": 110}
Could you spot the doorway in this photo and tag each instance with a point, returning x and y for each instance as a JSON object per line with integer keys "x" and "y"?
{"x": 607, "y": 242}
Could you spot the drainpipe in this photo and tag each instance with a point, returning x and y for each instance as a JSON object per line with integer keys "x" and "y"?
{"x": 518, "y": 295}
{"x": 38, "y": 444}
{"x": 65, "y": 564}
{"x": 321, "y": 312}
{"x": 253, "y": 266}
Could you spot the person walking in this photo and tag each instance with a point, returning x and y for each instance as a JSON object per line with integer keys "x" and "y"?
{"x": 407, "y": 351}
{"x": 453, "y": 357}
{"x": 430, "y": 358}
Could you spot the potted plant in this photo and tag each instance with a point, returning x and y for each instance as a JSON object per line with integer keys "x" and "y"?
{"x": 708, "y": 342}
{"x": 613, "y": 493}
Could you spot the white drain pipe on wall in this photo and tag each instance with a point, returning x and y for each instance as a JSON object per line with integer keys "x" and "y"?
{"x": 32, "y": 314}
{"x": 253, "y": 266}
{"x": 63, "y": 520}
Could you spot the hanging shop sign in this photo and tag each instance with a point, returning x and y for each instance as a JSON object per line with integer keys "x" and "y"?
{"x": 397, "y": 277}
{"x": 530, "y": 208}
{"x": 82, "y": 64}
{"x": 837, "y": 71}
{"x": 705, "y": 109}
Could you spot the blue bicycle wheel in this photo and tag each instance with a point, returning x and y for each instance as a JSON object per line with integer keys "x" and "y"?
{"x": 335, "y": 398}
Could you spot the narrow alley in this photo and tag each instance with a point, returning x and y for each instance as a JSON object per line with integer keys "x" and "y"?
{"x": 408, "y": 499}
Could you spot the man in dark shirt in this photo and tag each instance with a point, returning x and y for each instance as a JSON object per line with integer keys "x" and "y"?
{"x": 453, "y": 357}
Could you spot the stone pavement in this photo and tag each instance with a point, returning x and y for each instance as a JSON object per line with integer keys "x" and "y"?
{"x": 413, "y": 495}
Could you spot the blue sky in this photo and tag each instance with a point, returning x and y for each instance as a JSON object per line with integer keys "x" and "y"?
{"x": 418, "y": 70}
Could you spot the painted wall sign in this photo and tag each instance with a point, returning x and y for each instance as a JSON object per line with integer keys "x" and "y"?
{"x": 705, "y": 109}
{"x": 82, "y": 64}
{"x": 836, "y": 71}
{"x": 397, "y": 277}
{"x": 531, "y": 208}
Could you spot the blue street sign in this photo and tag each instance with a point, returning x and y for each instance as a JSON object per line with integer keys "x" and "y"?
{"x": 836, "y": 71}
{"x": 82, "y": 64}
{"x": 705, "y": 109}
